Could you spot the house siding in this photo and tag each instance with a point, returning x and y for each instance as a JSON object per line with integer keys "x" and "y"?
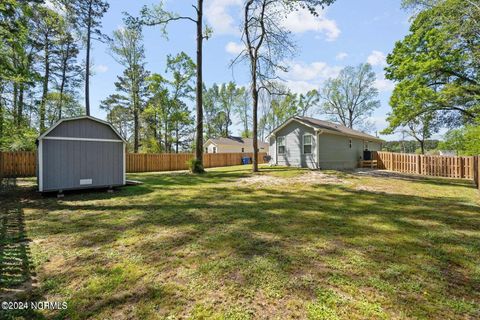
{"x": 293, "y": 133}
{"x": 335, "y": 151}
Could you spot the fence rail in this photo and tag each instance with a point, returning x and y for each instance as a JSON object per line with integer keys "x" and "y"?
{"x": 23, "y": 164}
{"x": 437, "y": 166}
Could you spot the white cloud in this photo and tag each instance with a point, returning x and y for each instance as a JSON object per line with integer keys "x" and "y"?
{"x": 383, "y": 85}
{"x": 300, "y": 86}
{"x": 302, "y": 20}
{"x": 377, "y": 58}
{"x": 234, "y": 47}
{"x": 101, "y": 68}
{"x": 302, "y": 77}
{"x": 219, "y": 18}
{"x": 341, "y": 56}
{"x": 313, "y": 71}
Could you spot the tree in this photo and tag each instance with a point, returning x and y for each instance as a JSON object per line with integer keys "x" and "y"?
{"x": 436, "y": 66}
{"x": 127, "y": 49}
{"x": 131, "y": 89}
{"x": 267, "y": 42}
{"x": 242, "y": 109}
{"x": 211, "y": 107}
{"x": 87, "y": 17}
{"x": 182, "y": 70}
{"x": 351, "y": 98}
{"x": 466, "y": 140}
{"x": 307, "y": 102}
{"x": 66, "y": 68}
{"x": 421, "y": 129}
{"x": 47, "y": 28}
{"x": 157, "y": 15}
{"x": 167, "y": 113}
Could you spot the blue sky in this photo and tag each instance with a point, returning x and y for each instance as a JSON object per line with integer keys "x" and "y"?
{"x": 347, "y": 33}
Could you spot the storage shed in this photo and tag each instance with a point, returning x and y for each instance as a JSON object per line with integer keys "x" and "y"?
{"x": 78, "y": 153}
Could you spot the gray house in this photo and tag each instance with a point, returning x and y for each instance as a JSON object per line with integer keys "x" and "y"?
{"x": 79, "y": 153}
{"x": 317, "y": 144}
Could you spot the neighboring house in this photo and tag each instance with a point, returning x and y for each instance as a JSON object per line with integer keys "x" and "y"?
{"x": 449, "y": 153}
{"x": 317, "y": 144}
{"x": 233, "y": 145}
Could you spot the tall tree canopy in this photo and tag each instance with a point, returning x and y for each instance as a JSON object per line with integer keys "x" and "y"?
{"x": 350, "y": 98}
{"x": 87, "y": 16}
{"x": 127, "y": 49}
{"x": 436, "y": 66}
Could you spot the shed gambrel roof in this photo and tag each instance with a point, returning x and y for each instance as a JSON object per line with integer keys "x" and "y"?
{"x": 56, "y": 124}
{"x": 327, "y": 127}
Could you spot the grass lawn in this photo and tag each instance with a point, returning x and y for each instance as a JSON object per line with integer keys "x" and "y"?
{"x": 226, "y": 245}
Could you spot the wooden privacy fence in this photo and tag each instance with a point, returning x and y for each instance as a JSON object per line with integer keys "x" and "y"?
{"x": 437, "y": 166}
{"x": 146, "y": 162}
{"x": 17, "y": 164}
{"x": 23, "y": 164}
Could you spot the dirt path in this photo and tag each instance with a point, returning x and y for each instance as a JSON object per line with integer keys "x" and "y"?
{"x": 310, "y": 177}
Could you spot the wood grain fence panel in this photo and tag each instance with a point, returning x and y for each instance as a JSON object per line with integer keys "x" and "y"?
{"x": 436, "y": 166}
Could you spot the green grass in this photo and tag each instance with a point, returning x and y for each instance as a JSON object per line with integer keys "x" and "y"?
{"x": 209, "y": 247}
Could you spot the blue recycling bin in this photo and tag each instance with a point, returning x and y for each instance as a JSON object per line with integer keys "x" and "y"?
{"x": 246, "y": 160}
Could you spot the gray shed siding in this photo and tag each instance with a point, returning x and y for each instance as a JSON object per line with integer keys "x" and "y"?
{"x": 83, "y": 128}
{"x": 64, "y": 162}
{"x": 293, "y": 133}
{"x": 335, "y": 151}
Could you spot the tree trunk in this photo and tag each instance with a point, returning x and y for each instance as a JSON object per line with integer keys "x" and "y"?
{"x": 255, "y": 126}
{"x": 176, "y": 138}
{"x": 199, "y": 89}
{"x": 87, "y": 62}
{"x": 422, "y": 146}
{"x": 135, "y": 130}
{"x": 15, "y": 101}
{"x": 20, "y": 105}
{"x": 166, "y": 136}
{"x": 2, "y": 116}
{"x": 63, "y": 80}
{"x": 46, "y": 79}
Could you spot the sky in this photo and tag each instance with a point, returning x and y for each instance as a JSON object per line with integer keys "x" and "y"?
{"x": 347, "y": 33}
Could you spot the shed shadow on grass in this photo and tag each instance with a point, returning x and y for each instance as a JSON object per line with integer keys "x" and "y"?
{"x": 17, "y": 277}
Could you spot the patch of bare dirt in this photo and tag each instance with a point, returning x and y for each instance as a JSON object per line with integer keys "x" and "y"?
{"x": 311, "y": 177}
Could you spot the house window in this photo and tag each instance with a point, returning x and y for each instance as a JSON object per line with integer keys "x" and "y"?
{"x": 243, "y": 150}
{"x": 214, "y": 149}
{"x": 307, "y": 144}
{"x": 281, "y": 145}
{"x": 350, "y": 143}
{"x": 206, "y": 150}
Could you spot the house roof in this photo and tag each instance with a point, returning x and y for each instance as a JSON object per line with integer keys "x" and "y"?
{"x": 328, "y": 127}
{"x": 235, "y": 141}
{"x": 78, "y": 118}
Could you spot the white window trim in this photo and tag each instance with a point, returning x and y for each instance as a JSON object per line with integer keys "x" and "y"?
{"x": 311, "y": 143}
{"x": 284, "y": 145}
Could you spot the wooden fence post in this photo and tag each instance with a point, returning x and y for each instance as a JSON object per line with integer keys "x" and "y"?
{"x": 418, "y": 164}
